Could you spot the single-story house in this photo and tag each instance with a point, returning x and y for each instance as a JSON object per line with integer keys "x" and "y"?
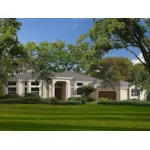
{"x": 66, "y": 84}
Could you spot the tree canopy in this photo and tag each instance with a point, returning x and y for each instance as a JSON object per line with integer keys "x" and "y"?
{"x": 120, "y": 68}
{"x": 122, "y": 33}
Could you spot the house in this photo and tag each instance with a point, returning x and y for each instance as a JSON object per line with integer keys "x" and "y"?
{"x": 66, "y": 84}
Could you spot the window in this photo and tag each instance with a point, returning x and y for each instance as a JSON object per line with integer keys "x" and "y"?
{"x": 79, "y": 91}
{"x": 134, "y": 92}
{"x": 79, "y": 84}
{"x": 25, "y": 83}
{"x": 34, "y": 90}
{"x": 34, "y": 83}
{"x": 11, "y": 90}
{"x": 25, "y": 90}
{"x": 11, "y": 83}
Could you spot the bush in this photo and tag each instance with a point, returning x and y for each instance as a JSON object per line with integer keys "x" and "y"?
{"x": 13, "y": 96}
{"x": 86, "y": 90}
{"x": 31, "y": 100}
{"x": 53, "y": 100}
{"x": 134, "y": 99}
{"x": 1, "y": 91}
{"x": 103, "y": 99}
{"x": 70, "y": 102}
{"x": 32, "y": 95}
{"x": 90, "y": 99}
{"x": 75, "y": 98}
{"x": 11, "y": 101}
{"x": 125, "y": 102}
{"x": 44, "y": 101}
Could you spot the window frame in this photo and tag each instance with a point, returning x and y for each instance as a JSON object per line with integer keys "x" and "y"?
{"x": 32, "y": 91}
{"x": 8, "y": 83}
{"x": 79, "y": 83}
{"x": 12, "y": 92}
{"x": 134, "y": 93}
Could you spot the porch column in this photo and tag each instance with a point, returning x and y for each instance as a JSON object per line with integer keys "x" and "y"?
{"x": 68, "y": 90}
{"x": 19, "y": 88}
{"x": 40, "y": 89}
{"x": 29, "y": 87}
{"x": 50, "y": 91}
{"x": 6, "y": 89}
{"x": 53, "y": 88}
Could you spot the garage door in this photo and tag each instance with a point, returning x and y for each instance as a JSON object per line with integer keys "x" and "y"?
{"x": 107, "y": 94}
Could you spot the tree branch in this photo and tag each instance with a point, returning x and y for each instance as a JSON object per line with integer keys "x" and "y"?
{"x": 136, "y": 56}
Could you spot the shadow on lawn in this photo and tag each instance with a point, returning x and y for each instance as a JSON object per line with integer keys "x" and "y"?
{"x": 82, "y": 118}
{"x": 26, "y": 126}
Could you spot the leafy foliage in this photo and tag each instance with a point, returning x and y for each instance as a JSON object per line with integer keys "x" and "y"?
{"x": 115, "y": 66}
{"x": 86, "y": 90}
{"x": 53, "y": 100}
{"x": 132, "y": 103}
{"x": 32, "y": 95}
{"x": 122, "y": 33}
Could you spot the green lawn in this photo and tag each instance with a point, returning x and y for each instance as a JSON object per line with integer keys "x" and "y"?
{"x": 21, "y": 117}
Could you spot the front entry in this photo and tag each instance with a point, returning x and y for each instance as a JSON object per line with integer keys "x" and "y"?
{"x": 58, "y": 93}
{"x": 60, "y": 90}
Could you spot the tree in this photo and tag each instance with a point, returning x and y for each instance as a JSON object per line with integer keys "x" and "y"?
{"x": 109, "y": 80}
{"x": 141, "y": 78}
{"x": 122, "y": 33}
{"x": 119, "y": 67}
{"x": 64, "y": 57}
{"x": 10, "y": 47}
{"x": 86, "y": 90}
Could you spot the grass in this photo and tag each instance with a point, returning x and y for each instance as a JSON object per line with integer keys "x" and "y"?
{"x": 89, "y": 117}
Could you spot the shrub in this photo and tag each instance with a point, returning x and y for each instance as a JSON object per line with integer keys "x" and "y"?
{"x": 90, "y": 99}
{"x": 53, "y": 100}
{"x": 75, "y": 98}
{"x": 32, "y": 95}
{"x": 70, "y": 102}
{"x": 133, "y": 99}
{"x": 44, "y": 101}
{"x": 13, "y": 96}
{"x": 31, "y": 100}
{"x": 1, "y": 91}
{"x": 125, "y": 102}
{"x": 11, "y": 101}
{"x": 103, "y": 99}
{"x": 86, "y": 90}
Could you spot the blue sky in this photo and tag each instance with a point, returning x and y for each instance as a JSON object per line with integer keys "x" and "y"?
{"x": 67, "y": 30}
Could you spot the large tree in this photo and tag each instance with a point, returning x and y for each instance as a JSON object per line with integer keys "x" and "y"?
{"x": 132, "y": 35}
{"x": 140, "y": 78}
{"x": 10, "y": 48}
{"x": 119, "y": 67}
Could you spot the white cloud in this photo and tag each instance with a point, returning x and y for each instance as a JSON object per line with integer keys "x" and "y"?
{"x": 136, "y": 61}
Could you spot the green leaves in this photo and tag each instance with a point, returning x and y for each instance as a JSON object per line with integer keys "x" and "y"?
{"x": 119, "y": 33}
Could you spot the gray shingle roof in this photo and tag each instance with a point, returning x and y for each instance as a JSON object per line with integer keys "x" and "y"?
{"x": 75, "y": 76}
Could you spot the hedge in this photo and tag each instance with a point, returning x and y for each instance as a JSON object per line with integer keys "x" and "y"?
{"x": 11, "y": 101}
{"x": 30, "y": 100}
{"x": 71, "y": 102}
{"x": 11, "y": 96}
{"x": 74, "y": 98}
{"x": 126, "y": 102}
{"x": 32, "y": 95}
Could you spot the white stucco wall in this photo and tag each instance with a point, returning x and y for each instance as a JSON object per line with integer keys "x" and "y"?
{"x": 123, "y": 94}
{"x": 142, "y": 94}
